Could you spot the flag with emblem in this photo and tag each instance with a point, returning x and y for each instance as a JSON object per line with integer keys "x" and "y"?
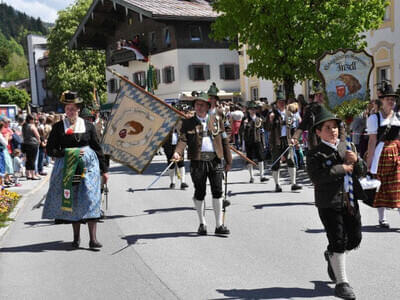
{"x": 138, "y": 126}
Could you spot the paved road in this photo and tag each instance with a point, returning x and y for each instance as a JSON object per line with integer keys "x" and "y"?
{"x": 151, "y": 250}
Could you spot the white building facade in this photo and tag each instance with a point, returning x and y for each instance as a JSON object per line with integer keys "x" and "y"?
{"x": 37, "y": 48}
{"x": 384, "y": 46}
{"x": 182, "y": 84}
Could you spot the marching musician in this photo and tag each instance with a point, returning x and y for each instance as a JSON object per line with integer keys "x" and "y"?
{"x": 215, "y": 107}
{"x": 280, "y": 125}
{"x": 169, "y": 149}
{"x": 208, "y": 144}
{"x": 252, "y": 131}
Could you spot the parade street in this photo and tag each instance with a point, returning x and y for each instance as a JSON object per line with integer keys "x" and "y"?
{"x": 151, "y": 249}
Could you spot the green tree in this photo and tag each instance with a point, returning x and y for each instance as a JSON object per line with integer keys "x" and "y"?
{"x": 13, "y": 95}
{"x": 77, "y": 70}
{"x": 16, "y": 69}
{"x": 285, "y": 37}
{"x": 4, "y": 56}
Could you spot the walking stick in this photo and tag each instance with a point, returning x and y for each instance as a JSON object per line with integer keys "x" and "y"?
{"x": 178, "y": 173}
{"x": 106, "y": 194}
{"x": 225, "y": 202}
{"x": 287, "y": 149}
{"x": 158, "y": 178}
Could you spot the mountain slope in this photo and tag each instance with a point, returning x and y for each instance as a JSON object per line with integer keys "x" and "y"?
{"x": 14, "y": 27}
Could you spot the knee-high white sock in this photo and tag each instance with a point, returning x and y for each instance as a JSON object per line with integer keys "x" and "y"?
{"x": 338, "y": 262}
{"x": 182, "y": 171}
{"x": 381, "y": 214}
{"x": 217, "y": 205}
{"x": 261, "y": 168}
{"x": 292, "y": 174}
{"x": 250, "y": 167}
{"x": 275, "y": 175}
{"x": 398, "y": 210}
{"x": 200, "y": 208}
{"x": 171, "y": 173}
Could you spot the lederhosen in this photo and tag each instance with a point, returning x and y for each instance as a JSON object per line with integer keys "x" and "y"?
{"x": 253, "y": 134}
{"x": 169, "y": 148}
{"x": 342, "y": 225}
{"x": 278, "y": 147}
{"x": 209, "y": 166}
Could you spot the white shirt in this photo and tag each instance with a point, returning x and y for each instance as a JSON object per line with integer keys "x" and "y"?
{"x": 18, "y": 164}
{"x": 206, "y": 144}
{"x": 372, "y": 122}
{"x": 372, "y": 128}
{"x": 237, "y": 115}
{"x": 283, "y": 129}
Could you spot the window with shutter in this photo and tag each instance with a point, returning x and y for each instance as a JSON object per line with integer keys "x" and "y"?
{"x": 199, "y": 72}
{"x": 167, "y": 37}
{"x": 229, "y": 71}
{"x": 112, "y": 85}
{"x": 169, "y": 74}
{"x": 158, "y": 76}
{"x": 207, "y": 72}
{"x": 237, "y": 72}
{"x": 191, "y": 72}
{"x": 195, "y": 33}
{"x": 152, "y": 41}
{"x": 140, "y": 78}
{"x": 222, "y": 71}
{"x": 172, "y": 74}
{"x": 254, "y": 93}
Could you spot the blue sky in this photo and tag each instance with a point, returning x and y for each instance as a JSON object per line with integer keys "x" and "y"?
{"x": 45, "y": 9}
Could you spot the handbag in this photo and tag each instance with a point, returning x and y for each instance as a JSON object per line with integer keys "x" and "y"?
{"x": 370, "y": 187}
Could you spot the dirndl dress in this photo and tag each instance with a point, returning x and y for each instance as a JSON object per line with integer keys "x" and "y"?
{"x": 8, "y": 162}
{"x": 2, "y": 164}
{"x": 87, "y": 195}
{"x": 389, "y": 175}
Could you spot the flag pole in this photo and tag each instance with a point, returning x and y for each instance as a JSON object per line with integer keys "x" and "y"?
{"x": 144, "y": 91}
{"x": 173, "y": 108}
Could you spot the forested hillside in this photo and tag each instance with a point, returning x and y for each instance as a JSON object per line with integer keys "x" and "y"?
{"x": 14, "y": 27}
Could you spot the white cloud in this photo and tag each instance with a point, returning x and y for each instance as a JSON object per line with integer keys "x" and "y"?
{"x": 45, "y": 9}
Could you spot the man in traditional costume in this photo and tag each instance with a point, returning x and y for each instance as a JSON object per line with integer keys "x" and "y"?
{"x": 280, "y": 125}
{"x": 169, "y": 149}
{"x": 208, "y": 144}
{"x": 252, "y": 131}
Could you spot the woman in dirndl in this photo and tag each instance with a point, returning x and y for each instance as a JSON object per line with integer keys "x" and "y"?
{"x": 74, "y": 193}
{"x": 384, "y": 154}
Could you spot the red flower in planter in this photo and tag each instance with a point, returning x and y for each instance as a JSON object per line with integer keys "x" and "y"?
{"x": 69, "y": 131}
{"x": 349, "y": 120}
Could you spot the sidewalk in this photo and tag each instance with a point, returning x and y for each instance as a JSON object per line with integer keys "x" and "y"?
{"x": 27, "y": 188}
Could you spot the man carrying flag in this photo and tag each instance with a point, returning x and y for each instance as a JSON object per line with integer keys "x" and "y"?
{"x": 208, "y": 144}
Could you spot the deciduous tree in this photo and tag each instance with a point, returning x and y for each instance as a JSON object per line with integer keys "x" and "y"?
{"x": 285, "y": 37}
{"x": 13, "y": 95}
{"x": 77, "y": 70}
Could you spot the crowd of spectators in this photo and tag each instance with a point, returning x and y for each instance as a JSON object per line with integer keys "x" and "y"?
{"x": 23, "y": 147}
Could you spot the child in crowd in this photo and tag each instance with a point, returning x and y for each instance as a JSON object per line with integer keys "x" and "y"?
{"x": 18, "y": 166}
{"x": 330, "y": 167}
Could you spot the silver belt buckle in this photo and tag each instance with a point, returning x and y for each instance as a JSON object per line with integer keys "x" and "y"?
{"x": 207, "y": 156}
{"x": 205, "y": 134}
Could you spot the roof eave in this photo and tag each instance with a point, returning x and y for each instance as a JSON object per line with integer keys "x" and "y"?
{"x": 74, "y": 40}
{"x": 183, "y": 18}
